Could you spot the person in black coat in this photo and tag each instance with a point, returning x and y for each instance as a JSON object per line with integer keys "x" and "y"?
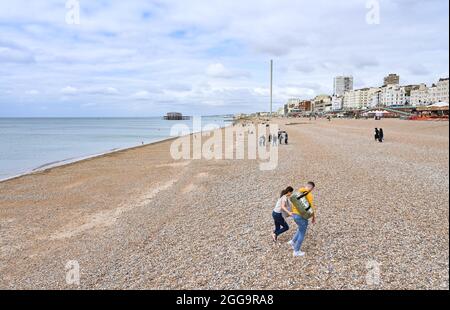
{"x": 377, "y": 134}
{"x": 380, "y": 135}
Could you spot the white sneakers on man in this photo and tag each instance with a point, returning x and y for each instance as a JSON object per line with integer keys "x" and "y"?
{"x": 291, "y": 243}
{"x": 299, "y": 253}
{"x": 296, "y": 253}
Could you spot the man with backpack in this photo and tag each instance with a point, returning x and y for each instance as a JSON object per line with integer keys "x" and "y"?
{"x": 303, "y": 209}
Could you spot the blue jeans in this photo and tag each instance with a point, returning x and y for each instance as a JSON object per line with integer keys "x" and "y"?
{"x": 301, "y": 231}
{"x": 280, "y": 223}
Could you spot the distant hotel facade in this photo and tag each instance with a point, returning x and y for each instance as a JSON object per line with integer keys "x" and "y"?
{"x": 297, "y": 106}
{"x": 359, "y": 98}
{"x": 342, "y": 84}
{"x": 391, "y": 94}
{"x": 423, "y": 95}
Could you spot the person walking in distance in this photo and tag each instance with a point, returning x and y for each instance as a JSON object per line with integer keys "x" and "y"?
{"x": 381, "y": 135}
{"x": 262, "y": 141}
{"x": 274, "y": 140}
{"x": 377, "y": 134}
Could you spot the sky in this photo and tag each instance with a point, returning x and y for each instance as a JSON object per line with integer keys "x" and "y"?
{"x": 206, "y": 57}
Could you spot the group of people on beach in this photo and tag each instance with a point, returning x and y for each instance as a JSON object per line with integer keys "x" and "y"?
{"x": 379, "y": 135}
{"x": 284, "y": 209}
{"x": 274, "y": 139}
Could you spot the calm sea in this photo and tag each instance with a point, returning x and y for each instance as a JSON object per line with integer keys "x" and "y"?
{"x": 31, "y": 143}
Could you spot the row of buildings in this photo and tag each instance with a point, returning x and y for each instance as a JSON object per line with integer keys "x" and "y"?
{"x": 390, "y": 94}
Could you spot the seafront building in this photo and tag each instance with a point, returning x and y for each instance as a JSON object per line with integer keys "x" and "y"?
{"x": 391, "y": 94}
{"x": 359, "y": 98}
{"x": 352, "y": 99}
{"x": 297, "y": 106}
{"x": 392, "y": 79}
{"x": 439, "y": 91}
{"x": 342, "y": 84}
{"x": 337, "y": 103}
{"x": 420, "y": 96}
{"x": 423, "y": 95}
{"x": 322, "y": 103}
{"x": 292, "y": 106}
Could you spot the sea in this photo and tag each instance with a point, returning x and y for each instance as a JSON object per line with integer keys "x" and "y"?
{"x": 30, "y": 144}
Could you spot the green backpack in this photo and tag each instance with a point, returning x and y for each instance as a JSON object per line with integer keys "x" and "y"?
{"x": 300, "y": 202}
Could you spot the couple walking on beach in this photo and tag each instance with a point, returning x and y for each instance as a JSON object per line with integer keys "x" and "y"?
{"x": 272, "y": 139}
{"x": 287, "y": 206}
{"x": 283, "y": 137}
{"x": 379, "y": 135}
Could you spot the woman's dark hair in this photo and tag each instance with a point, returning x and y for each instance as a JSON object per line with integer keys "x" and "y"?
{"x": 312, "y": 184}
{"x": 288, "y": 189}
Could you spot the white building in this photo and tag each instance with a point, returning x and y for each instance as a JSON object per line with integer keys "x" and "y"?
{"x": 292, "y": 105}
{"x": 424, "y": 95}
{"x": 376, "y": 99}
{"x": 439, "y": 92}
{"x": 342, "y": 84}
{"x": 322, "y": 103}
{"x": 337, "y": 103}
{"x": 393, "y": 95}
{"x": 351, "y": 100}
{"x": 367, "y": 96}
{"x": 359, "y": 98}
{"x": 420, "y": 96}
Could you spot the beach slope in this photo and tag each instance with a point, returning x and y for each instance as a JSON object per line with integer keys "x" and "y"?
{"x": 137, "y": 219}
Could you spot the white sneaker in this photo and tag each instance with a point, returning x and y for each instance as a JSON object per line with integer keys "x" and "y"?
{"x": 299, "y": 253}
{"x": 291, "y": 243}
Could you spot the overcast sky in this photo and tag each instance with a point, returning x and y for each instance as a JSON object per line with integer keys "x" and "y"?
{"x": 145, "y": 58}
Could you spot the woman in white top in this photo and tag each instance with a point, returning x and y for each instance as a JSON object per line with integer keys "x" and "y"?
{"x": 282, "y": 209}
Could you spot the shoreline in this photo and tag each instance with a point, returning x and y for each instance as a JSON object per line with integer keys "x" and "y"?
{"x": 74, "y": 160}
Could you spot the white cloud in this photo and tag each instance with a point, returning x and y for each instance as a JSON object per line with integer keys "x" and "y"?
{"x": 364, "y": 62}
{"x": 304, "y": 67}
{"x": 101, "y": 91}
{"x": 418, "y": 69}
{"x": 32, "y": 92}
{"x": 141, "y": 95}
{"x": 193, "y": 54}
{"x": 218, "y": 70}
{"x": 97, "y": 90}
{"x": 14, "y": 55}
{"x": 69, "y": 90}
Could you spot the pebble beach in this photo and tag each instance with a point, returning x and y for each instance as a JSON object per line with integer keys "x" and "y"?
{"x": 138, "y": 219}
